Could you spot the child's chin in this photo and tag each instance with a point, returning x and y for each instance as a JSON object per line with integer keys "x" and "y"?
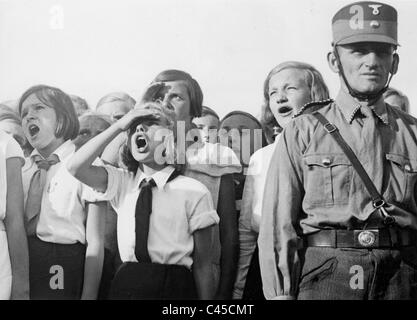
{"x": 142, "y": 157}
{"x": 38, "y": 143}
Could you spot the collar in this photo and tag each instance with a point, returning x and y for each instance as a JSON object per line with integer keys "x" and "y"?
{"x": 349, "y": 106}
{"x": 63, "y": 151}
{"x": 160, "y": 177}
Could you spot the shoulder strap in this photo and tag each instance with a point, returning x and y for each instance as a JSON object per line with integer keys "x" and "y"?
{"x": 377, "y": 200}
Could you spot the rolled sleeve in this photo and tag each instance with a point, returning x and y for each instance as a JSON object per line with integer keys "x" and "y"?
{"x": 114, "y": 186}
{"x": 13, "y": 150}
{"x": 203, "y": 215}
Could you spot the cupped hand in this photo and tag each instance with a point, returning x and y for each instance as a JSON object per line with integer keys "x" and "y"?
{"x": 154, "y": 92}
{"x": 125, "y": 122}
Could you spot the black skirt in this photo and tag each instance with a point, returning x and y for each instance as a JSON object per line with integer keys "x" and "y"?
{"x": 152, "y": 281}
{"x": 56, "y": 271}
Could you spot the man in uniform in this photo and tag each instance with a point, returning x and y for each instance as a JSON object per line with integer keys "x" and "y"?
{"x": 327, "y": 232}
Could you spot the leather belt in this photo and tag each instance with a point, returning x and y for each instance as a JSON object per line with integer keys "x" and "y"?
{"x": 368, "y": 238}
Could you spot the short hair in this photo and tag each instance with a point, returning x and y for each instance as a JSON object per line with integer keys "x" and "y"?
{"x": 248, "y": 115}
{"x": 7, "y": 113}
{"x": 67, "y": 120}
{"x": 193, "y": 88}
{"x": 405, "y": 103}
{"x": 314, "y": 79}
{"x": 242, "y": 113}
{"x": 81, "y": 102}
{"x": 206, "y": 111}
{"x": 117, "y": 96}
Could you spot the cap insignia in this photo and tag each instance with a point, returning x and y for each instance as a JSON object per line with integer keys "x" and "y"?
{"x": 375, "y": 8}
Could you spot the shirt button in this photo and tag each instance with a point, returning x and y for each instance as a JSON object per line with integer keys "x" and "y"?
{"x": 407, "y": 167}
{"x": 326, "y": 162}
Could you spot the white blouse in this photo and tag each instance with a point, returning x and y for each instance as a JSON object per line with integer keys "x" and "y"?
{"x": 179, "y": 208}
{"x": 64, "y": 200}
{"x": 250, "y": 214}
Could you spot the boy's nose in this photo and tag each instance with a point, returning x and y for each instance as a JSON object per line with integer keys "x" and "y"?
{"x": 30, "y": 115}
{"x": 140, "y": 128}
{"x": 281, "y": 98}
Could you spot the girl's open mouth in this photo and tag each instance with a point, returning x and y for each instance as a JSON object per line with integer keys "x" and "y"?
{"x": 285, "y": 111}
{"x": 141, "y": 143}
{"x": 33, "y": 130}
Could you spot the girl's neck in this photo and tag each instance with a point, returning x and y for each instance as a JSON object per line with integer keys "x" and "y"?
{"x": 49, "y": 149}
{"x": 151, "y": 168}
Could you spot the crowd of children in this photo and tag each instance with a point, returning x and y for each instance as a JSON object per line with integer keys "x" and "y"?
{"x": 155, "y": 199}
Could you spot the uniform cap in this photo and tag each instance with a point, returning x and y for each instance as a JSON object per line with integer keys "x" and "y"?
{"x": 365, "y": 21}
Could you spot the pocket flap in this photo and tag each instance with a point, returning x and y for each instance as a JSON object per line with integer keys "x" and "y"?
{"x": 405, "y": 163}
{"x": 326, "y": 160}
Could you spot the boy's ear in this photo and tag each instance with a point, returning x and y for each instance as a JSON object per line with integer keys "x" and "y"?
{"x": 332, "y": 61}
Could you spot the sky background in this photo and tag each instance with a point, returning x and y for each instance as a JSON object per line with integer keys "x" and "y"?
{"x": 93, "y": 47}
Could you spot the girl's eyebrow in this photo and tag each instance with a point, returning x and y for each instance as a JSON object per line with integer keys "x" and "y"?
{"x": 37, "y": 104}
{"x": 178, "y": 93}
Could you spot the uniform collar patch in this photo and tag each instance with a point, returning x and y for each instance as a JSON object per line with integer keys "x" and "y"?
{"x": 350, "y": 107}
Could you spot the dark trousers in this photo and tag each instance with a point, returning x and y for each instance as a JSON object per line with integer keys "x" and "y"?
{"x": 253, "y": 285}
{"x": 358, "y": 274}
{"x": 56, "y": 271}
{"x": 151, "y": 281}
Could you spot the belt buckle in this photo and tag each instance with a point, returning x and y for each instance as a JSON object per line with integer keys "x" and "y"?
{"x": 367, "y": 238}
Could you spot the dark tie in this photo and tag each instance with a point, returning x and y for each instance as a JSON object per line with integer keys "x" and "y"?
{"x": 366, "y": 112}
{"x": 37, "y": 184}
{"x": 368, "y": 121}
{"x": 372, "y": 154}
{"x": 142, "y": 216}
